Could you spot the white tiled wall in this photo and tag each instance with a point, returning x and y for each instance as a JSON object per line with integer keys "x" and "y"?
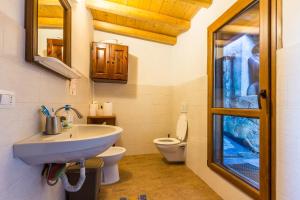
{"x": 33, "y": 86}
{"x": 143, "y": 111}
{"x": 288, "y": 126}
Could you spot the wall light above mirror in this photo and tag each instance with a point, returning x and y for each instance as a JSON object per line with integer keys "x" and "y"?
{"x": 48, "y": 35}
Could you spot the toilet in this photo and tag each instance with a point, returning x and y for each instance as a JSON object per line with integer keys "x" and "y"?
{"x": 173, "y": 149}
{"x": 110, "y": 171}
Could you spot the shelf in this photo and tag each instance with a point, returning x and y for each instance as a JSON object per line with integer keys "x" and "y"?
{"x": 101, "y": 117}
{"x": 58, "y": 66}
{"x": 108, "y": 120}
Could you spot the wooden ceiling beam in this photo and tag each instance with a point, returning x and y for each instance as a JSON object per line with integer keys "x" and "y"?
{"x": 200, "y": 3}
{"x": 252, "y": 30}
{"x": 132, "y": 32}
{"x": 138, "y": 14}
{"x": 222, "y": 43}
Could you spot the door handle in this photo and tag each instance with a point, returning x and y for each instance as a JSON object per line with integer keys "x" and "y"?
{"x": 262, "y": 95}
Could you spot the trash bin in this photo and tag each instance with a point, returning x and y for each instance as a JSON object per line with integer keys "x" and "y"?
{"x": 91, "y": 187}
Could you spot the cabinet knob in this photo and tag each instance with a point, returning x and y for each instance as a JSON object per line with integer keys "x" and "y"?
{"x": 107, "y": 62}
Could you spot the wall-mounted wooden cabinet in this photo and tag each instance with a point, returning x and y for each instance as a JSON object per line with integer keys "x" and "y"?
{"x": 109, "y": 62}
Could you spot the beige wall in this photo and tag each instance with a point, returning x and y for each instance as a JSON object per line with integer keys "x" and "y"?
{"x": 33, "y": 86}
{"x": 142, "y": 106}
{"x": 82, "y": 36}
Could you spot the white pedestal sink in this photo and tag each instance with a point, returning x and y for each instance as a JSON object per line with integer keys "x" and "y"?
{"x": 78, "y": 143}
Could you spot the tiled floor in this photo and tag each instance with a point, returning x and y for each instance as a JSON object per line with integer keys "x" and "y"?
{"x": 151, "y": 175}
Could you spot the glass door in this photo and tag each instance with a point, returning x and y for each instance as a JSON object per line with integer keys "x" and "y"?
{"x": 238, "y": 97}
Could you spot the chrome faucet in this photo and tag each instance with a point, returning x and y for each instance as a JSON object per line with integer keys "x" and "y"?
{"x": 79, "y": 115}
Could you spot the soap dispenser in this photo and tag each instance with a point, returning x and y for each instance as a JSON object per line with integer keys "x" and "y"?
{"x": 67, "y": 117}
{"x": 68, "y": 121}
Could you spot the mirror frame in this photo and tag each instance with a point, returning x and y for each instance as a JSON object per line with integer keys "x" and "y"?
{"x": 31, "y": 26}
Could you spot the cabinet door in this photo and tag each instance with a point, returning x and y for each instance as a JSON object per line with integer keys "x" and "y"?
{"x": 119, "y": 62}
{"x": 100, "y": 61}
{"x": 55, "y": 48}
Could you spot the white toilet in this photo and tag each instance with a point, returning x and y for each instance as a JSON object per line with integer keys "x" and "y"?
{"x": 110, "y": 171}
{"x": 173, "y": 149}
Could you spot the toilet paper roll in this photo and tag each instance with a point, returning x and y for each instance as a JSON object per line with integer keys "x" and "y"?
{"x": 107, "y": 109}
{"x": 93, "y": 109}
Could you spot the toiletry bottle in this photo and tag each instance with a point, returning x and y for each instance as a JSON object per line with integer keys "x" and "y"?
{"x": 68, "y": 122}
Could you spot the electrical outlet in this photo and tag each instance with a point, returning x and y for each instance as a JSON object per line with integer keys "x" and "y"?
{"x": 184, "y": 107}
{"x": 7, "y": 99}
{"x": 73, "y": 87}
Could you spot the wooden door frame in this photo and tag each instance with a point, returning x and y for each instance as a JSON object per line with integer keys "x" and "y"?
{"x": 274, "y": 27}
{"x": 276, "y": 43}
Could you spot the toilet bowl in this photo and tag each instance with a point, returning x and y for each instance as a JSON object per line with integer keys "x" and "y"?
{"x": 110, "y": 171}
{"x": 173, "y": 149}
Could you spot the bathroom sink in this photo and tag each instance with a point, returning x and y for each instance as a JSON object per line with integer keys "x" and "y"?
{"x": 80, "y": 142}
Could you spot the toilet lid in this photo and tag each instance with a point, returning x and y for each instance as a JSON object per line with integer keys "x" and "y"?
{"x": 181, "y": 127}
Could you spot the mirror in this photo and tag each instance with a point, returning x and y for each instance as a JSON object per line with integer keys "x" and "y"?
{"x": 50, "y": 29}
{"x": 48, "y": 35}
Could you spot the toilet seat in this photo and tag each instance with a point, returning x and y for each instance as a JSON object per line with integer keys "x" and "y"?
{"x": 166, "y": 141}
{"x": 173, "y": 149}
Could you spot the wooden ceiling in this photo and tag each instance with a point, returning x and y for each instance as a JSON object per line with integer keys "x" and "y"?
{"x": 50, "y": 14}
{"x": 155, "y": 20}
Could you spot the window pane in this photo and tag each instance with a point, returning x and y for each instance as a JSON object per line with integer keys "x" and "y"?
{"x": 237, "y": 61}
{"x": 236, "y": 146}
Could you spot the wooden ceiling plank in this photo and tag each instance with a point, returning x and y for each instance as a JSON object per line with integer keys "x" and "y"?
{"x": 156, "y": 5}
{"x": 191, "y": 12}
{"x": 167, "y": 7}
{"x": 49, "y": 2}
{"x": 200, "y": 3}
{"x": 144, "y": 4}
{"x": 50, "y": 22}
{"x": 133, "y": 3}
{"x": 138, "y": 14}
{"x": 132, "y": 32}
{"x": 180, "y": 8}
{"x": 50, "y": 11}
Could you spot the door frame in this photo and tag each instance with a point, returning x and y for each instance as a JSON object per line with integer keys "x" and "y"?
{"x": 273, "y": 26}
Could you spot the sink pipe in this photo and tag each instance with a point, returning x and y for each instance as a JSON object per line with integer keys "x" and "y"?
{"x": 74, "y": 188}
{"x": 53, "y": 172}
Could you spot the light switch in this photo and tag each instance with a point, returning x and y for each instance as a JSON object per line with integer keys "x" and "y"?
{"x": 7, "y": 99}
